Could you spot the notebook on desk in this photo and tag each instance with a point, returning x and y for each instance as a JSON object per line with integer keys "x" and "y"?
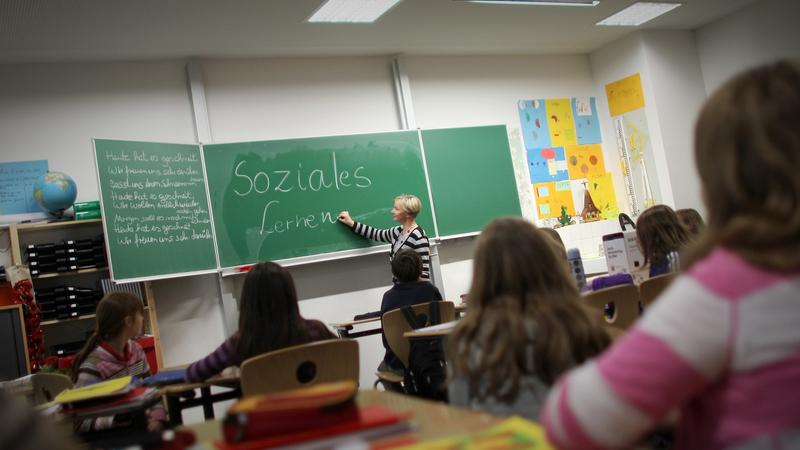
{"x": 165, "y": 378}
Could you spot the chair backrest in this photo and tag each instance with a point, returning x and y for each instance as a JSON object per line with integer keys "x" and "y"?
{"x": 47, "y": 385}
{"x": 651, "y": 288}
{"x": 625, "y": 299}
{"x": 395, "y": 324}
{"x": 300, "y": 366}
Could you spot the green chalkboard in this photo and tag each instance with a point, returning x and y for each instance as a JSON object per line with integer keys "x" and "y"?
{"x": 279, "y": 199}
{"x": 155, "y": 209}
{"x": 471, "y": 176}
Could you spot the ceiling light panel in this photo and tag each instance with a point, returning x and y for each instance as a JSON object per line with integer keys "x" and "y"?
{"x": 351, "y": 11}
{"x": 638, "y": 13}
{"x": 537, "y": 2}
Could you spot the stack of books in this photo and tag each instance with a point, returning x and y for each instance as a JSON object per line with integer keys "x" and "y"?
{"x": 108, "y": 398}
{"x": 318, "y": 417}
{"x": 87, "y": 210}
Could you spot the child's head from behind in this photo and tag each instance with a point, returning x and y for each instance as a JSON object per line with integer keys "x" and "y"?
{"x": 268, "y": 310}
{"x": 514, "y": 258}
{"x": 660, "y": 232}
{"x": 521, "y": 289}
{"x": 691, "y": 220}
{"x": 747, "y": 150}
{"x": 406, "y": 266}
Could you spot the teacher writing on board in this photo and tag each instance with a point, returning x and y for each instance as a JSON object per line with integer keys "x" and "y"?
{"x": 407, "y": 235}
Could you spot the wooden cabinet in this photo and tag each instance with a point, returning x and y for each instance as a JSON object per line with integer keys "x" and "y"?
{"x": 72, "y": 275}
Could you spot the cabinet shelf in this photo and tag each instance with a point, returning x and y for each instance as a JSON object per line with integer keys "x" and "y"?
{"x": 73, "y": 319}
{"x": 70, "y": 273}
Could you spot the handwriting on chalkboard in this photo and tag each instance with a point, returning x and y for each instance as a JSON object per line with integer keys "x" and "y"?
{"x": 156, "y": 198}
{"x": 252, "y": 180}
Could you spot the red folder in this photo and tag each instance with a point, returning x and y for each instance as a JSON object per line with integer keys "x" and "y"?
{"x": 371, "y": 422}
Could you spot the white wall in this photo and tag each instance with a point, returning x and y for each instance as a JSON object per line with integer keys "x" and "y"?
{"x": 762, "y": 32}
{"x": 673, "y": 91}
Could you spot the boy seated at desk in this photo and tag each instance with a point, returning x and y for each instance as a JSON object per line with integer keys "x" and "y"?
{"x": 408, "y": 290}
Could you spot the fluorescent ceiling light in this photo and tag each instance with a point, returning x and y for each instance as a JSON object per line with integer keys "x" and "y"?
{"x": 538, "y": 2}
{"x": 351, "y": 11}
{"x": 638, "y": 13}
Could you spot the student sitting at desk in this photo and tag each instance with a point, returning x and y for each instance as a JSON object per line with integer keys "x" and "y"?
{"x": 525, "y": 326}
{"x": 110, "y": 353}
{"x": 409, "y": 290}
{"x": 269, "y": 319}
{"x": 661, "y": 236}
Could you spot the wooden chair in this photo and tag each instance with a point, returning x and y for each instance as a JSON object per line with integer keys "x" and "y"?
{"x": 625, "y": 299}
{"x": 651, "y": 288}
{"x": 300, "y": 366}
{"x": 47, "y": 385}
{"x": 394, "y": 325}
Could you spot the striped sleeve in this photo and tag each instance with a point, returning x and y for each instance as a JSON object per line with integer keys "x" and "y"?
{"x": 384, "y": 235}
{"x": 676, "y": 350}
{"x": 418, "y": 242}
{"x": 214, "y": 363}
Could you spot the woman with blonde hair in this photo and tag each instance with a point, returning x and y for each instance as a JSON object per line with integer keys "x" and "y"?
{"x": 721, "y": 345}
{"x": 525, "y": 324}
{"x": 407, "y": 235}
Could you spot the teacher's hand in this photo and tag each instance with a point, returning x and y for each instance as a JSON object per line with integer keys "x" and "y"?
{"x": 345, "y": 218}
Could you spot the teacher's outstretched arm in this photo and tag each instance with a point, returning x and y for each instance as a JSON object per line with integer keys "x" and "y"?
{"x": 365, "y": 230}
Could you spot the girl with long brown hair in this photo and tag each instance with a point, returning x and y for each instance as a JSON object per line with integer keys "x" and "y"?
{"x": 660, "y": 232}
{"x": 525, "y": 324}
{"x": 269, "y": 319}
{"x": 110, "y": 352}
{"x": 721, "y": 345}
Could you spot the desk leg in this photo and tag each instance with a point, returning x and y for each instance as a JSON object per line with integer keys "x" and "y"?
{"x": 208, "y": 402}
{"x": 175, "y": 409}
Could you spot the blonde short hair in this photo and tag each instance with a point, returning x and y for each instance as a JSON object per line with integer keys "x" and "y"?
{"x": 409, "y": 204}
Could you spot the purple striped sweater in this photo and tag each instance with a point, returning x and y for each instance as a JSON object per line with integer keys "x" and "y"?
{"x": 721, "y": 346}
{"x": 225, "y": 355}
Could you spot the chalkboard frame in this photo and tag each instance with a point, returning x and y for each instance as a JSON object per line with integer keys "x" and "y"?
{"x": 435, "y": 237}
{"x": 215, "y": 269}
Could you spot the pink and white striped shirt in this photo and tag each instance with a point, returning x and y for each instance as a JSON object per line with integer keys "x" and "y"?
{"x": 721, "y": 345}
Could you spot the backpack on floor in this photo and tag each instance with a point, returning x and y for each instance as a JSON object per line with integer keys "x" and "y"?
{"x": 426, "y": 372}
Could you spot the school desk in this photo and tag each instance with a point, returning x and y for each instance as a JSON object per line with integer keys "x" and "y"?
{"x": 344, "y": 329}
{"x": 431, "y": 419}
{"x": 440, "y": 330}
{"x": 182, "y": 396}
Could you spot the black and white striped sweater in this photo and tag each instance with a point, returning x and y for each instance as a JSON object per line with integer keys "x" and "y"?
{"x": 416, "y": 241}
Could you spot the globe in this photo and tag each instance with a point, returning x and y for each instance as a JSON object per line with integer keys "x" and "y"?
{"x": 55, "y": 192}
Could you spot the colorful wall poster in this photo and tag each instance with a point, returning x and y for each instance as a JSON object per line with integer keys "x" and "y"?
{"x": 16, "y": 186}
{"x": 625, "y": 95}
{"x": 533, "y": 118}
{"x": 584, "y": 161}
{"x": 551, "y": 196}
{"x": 639, "y": 159}
{"x": 601, "y": 189}
{"x": 561, "y": 122}
{"x": 547, "y": 164}
{"x": 587, "y": 125}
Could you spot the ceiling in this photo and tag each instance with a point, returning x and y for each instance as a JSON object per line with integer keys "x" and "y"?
{"x": 102, "y": 30}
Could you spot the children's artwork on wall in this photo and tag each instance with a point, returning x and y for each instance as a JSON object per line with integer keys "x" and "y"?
{"x": 561, "y": 122}
{"x": 563, "y": 143}
{"x": 587, "y": 126}
{"x": 533, "y": 117}
{"x": 551, "y": 196}
{"x": 625, "y": 95}
{"x": 547, "y": 164}
{"x": 584, "y": 161}
{"x": 601, "y": 188}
